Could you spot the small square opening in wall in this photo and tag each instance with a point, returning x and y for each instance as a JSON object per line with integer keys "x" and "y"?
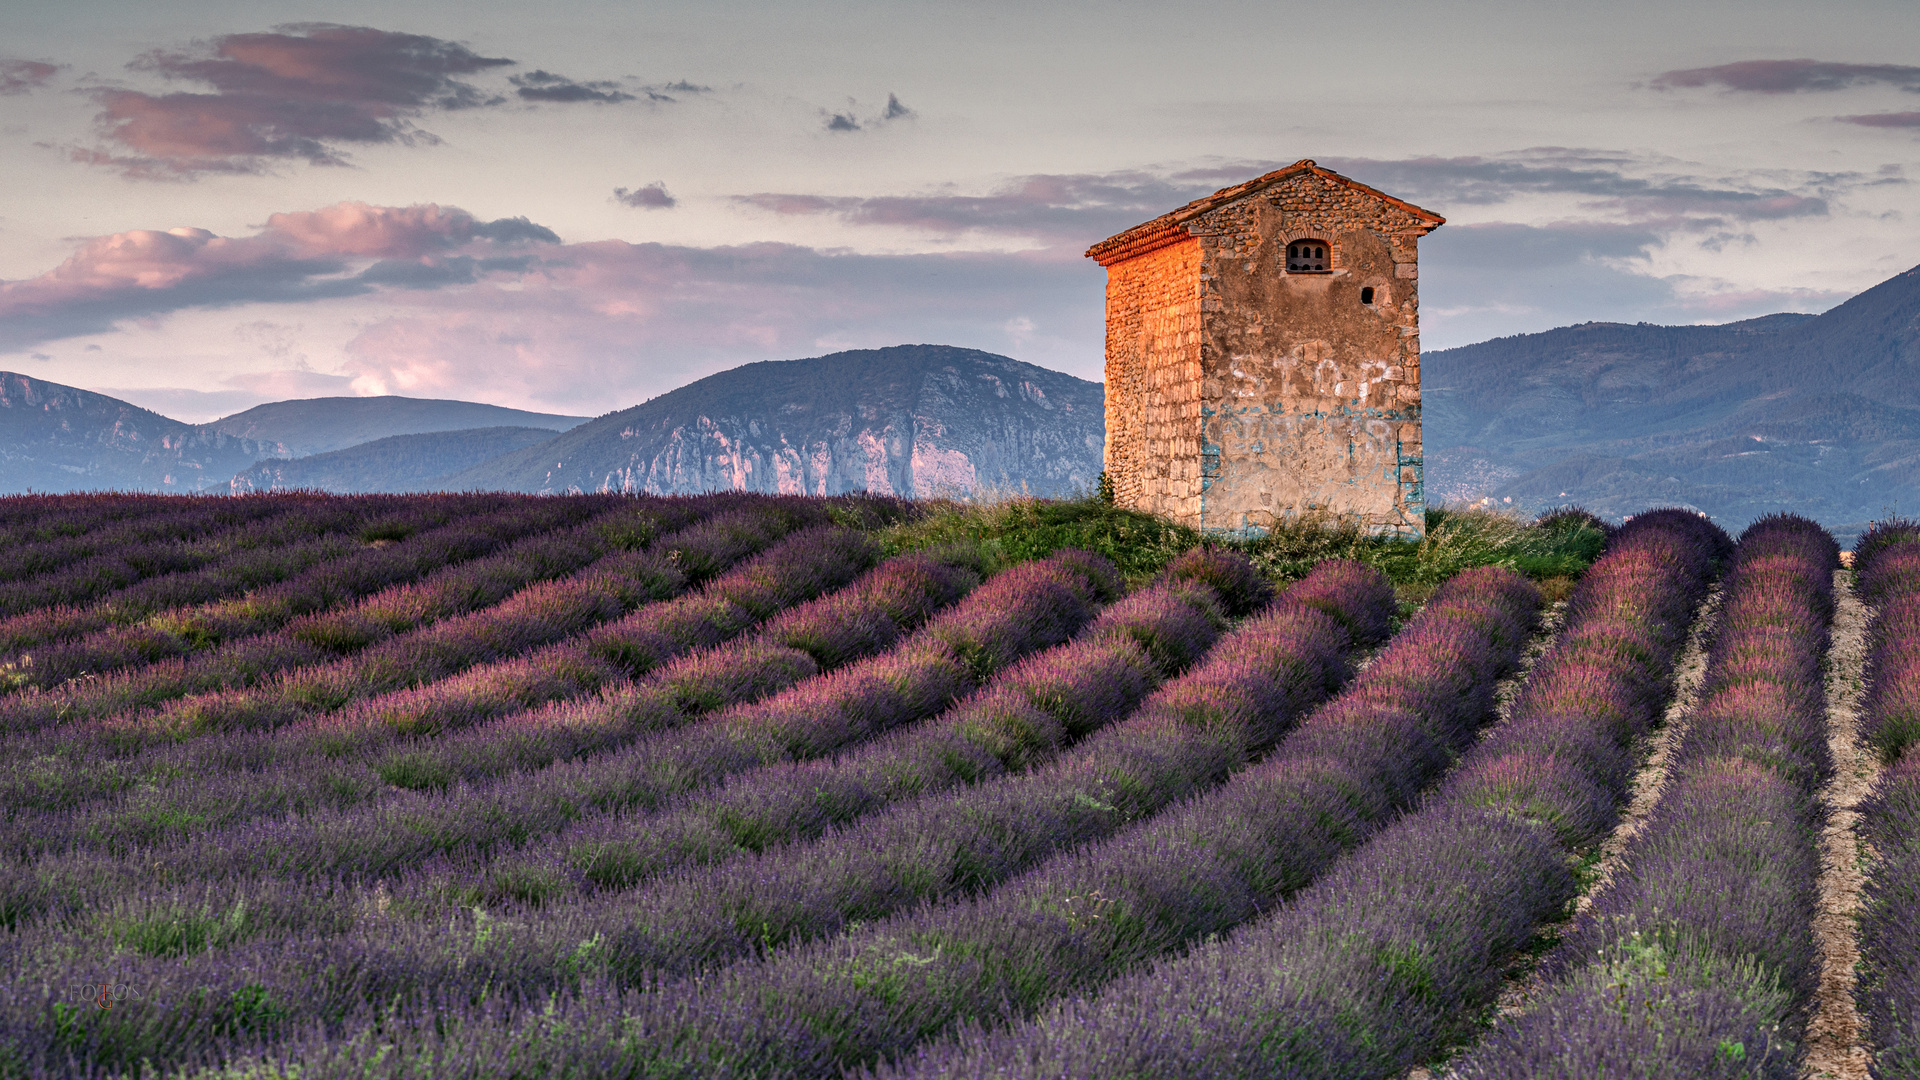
{"x": 1366, "y": 296}
{"x": 1308, "y": 257}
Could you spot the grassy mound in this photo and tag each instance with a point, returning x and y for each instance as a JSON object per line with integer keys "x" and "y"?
{"x": 1553, "y": 550}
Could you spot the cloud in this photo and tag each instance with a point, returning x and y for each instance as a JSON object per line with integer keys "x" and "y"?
{"x": 296, "y": 93}
{"x": 445, "y": 305}
{"x": 1609, "y": 179}
{"x": 595, "y": 324}
{"x": 1885, "y": 120}
{"x": 429, "y": 301}
{"x": 849, "y": 121}
{"x": 1790, "y": 76}
{"x": 1067, "y": 212}
{"x": 514, "y": 230}
{"x": 652, "y": 197}
{"x": 343, "y": 250}
{"x": 20, "y": 76}
{"x": 1490, "y": 280}
{"x": 545, "y": 86}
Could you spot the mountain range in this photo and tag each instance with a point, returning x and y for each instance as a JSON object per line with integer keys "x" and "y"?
{"x": 1817, "y": 415}
{"x": 423, "y": 462}
{"x": 319, "y": 425}
{"x": 916, "y": 420}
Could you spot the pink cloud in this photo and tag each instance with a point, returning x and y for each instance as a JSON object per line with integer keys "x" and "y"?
{"x": 294, "y": 93}
{"x": 592, "y": 326}
{"x": 447, "y": 305}
{"x": 20, "y": 76}
{"x": 341, "y": 250}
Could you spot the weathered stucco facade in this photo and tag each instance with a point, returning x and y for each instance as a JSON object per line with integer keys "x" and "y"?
{"x": 1239, "y": 390}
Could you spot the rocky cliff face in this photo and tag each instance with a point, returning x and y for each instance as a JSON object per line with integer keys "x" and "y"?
{"x": 918, "y": 420}
{"x": 58, "y": 438}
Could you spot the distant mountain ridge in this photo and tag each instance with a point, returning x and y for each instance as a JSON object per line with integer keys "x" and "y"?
{"x": 61, "y": 438}
{"x": 916, "y": 420}
{"x": 307, "y": 426}
{"x": 397, "y": 463}
{"x": 1816, "y": 415}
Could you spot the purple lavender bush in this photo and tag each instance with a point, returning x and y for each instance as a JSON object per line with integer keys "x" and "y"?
{"x": 1696, "y": 957}
{"x": 1391, "y": 955}
{"x": 1887, "y": 569}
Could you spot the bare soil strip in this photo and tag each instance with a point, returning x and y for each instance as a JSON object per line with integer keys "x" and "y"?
{"x": 1508, "y": 689}
{"x": 1644, "y": 794}
{"x": 1835, "y": 1045}
{"x": 1651, "y": 781}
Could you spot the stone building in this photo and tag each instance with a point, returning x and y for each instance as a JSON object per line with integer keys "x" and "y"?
{"x": 1263, "y": 355}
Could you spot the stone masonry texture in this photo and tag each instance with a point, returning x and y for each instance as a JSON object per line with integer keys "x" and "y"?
{"x": 1240, "y": 393}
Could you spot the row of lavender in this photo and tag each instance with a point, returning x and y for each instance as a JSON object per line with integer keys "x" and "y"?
{"x": 774, "y": 964}
{"x": 1698, "y": 958}
{"x": 429, "y": 541}
{"x": 984, "y": 635}
{"x": 130, "y": 562}
{"x": 64, "y": 768}
{"x": 207, "y": 782}
{"x": 338, "y": 761}
{"x": 272, "y": 652}
{"x": 1027, "y": 608}
{"x": 1887, "y": 568}
{"x": 32, "y": 519}
{"x": 142, "y": 579}
{"x": 62, "y": 542}
{"x": 1392, "y": 955}
{"x": 150, "y": 565}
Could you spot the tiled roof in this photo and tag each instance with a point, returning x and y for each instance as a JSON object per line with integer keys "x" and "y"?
{"x": 1169, "y": 228}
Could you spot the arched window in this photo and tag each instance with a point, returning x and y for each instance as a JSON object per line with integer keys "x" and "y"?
{"x": 1308, "y": 256}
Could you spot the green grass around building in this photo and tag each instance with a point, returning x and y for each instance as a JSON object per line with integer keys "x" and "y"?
{"x": 1554, "y": 550}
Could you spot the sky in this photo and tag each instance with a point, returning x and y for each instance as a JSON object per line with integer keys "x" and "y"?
{"x": 578, "y": 206}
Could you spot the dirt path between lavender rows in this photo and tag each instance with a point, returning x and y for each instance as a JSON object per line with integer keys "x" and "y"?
{"x": 1835, "y": 1047}
{"x": 1651, "y": 781}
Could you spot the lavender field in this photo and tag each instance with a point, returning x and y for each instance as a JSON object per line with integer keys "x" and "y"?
{"x": 746, "y": 786}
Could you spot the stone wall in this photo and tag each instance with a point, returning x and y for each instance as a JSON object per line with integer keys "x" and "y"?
{"x": 1153, "y": 380}
{"x": 1239, "y": 393}
{"x": 1311, "y": 399}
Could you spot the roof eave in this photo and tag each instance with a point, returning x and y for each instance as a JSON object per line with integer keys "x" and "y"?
{"x": 1169, "y": 228}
